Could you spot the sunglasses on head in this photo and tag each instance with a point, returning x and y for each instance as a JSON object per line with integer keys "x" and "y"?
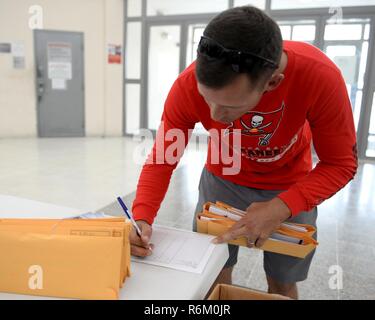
{"x": 237, "y": 58}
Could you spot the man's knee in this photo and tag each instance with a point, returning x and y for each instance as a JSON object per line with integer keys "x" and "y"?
{"x": 285, "y": 289}
{"x": 225, "y": 276}
{"x": 279, "y": 285}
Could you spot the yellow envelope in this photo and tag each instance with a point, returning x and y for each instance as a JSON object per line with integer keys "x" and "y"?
{"x": 217, "y": 225}
{"x": 71, "y": 258}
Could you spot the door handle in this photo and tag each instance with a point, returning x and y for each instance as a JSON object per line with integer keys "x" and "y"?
{"x": 40, "y": 83}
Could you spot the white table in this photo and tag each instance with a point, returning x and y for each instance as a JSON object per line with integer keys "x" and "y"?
{"x": 147, "y": 282}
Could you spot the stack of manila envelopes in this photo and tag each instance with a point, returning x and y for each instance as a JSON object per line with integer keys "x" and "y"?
{"x": 290, "y": 239}
{"x": 70, "y": 258}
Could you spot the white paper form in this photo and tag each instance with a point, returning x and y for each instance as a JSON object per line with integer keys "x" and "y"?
{"x": 179, "y": 249}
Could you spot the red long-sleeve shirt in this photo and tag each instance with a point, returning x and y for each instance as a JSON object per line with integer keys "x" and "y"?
{"x": 311, "y": 103}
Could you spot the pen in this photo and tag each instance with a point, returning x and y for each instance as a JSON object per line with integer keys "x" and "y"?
{"x": 123, "y": 206}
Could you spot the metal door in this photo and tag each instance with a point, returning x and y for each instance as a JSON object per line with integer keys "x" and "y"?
{"x": 59, "y": 83}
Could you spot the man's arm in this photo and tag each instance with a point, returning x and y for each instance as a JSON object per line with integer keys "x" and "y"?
{"x": 334, "y": 138}
{"x": 153, "y": 183}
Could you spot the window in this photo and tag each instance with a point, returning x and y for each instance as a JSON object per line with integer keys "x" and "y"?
{"x": 303, "y": 4}
{"x": 134, "y": 8}
{"x": 371, "y": 135}
{"x": 298, "y": 30}
{"x": 168, "y": 7}
{"x": 286, "y": 32}
{"x": 133, "y": 51}
{"x": 343, "y": 32}
{"x": 261, "y": 4}
{"x": 194, "y": 35}
{"x": 163, "y": 68}
{"x": 133, "y": 107}
{"x": 346, "y": 47}
{"x": 303, "y": 33}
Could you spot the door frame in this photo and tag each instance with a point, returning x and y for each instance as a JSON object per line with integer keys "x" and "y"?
{"x": 81, "y": 34}
{"x": 367, "y": 97}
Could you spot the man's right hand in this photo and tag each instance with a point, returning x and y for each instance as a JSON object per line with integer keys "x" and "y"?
{"x": 140, "y": 246}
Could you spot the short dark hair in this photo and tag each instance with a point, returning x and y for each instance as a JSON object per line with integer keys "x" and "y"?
{"x": 246, "y": 29}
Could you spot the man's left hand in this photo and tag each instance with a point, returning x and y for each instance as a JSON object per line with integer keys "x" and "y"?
{"x": 260, "y": 221}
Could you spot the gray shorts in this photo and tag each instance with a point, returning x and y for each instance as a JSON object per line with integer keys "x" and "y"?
{"x": 282, "y": 268}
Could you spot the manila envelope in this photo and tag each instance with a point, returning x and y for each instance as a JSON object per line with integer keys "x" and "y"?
{"x": 72, "y": 258}
{"x": 219, "y": 227}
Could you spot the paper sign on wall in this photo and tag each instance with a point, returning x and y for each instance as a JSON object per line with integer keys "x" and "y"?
{"x": 5, "y": 47}
{"x": 18, "y": 49}
{"x": 18, "y": 52}
{"x": 114, "y": 53}
{"x": 59, "y": 60}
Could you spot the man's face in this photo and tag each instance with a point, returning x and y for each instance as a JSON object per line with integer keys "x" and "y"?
{"x": 232, "y": 101}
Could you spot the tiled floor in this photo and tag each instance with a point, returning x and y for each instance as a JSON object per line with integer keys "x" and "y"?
{"x": 89, "y": 173}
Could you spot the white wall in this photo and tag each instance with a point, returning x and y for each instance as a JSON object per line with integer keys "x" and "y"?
{"x": 101, "y": 21}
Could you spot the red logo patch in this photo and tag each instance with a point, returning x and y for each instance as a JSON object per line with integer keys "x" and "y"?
{"x": 258, "y": 124}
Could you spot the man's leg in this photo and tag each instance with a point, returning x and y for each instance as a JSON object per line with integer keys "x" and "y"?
{"x": 225, "y": 277}
{"x": 286, "y": 289}
{"x": 282, "y": 271}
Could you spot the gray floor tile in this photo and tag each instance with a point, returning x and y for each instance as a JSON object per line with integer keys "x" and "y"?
{"x": 316, "y": 286}
{"x": 248, "y": 259}
{"x": 356, "y": 249}
{"x": 357, "y": 286}
{"x": 257, "y": 279}
{"x": 357, "y": 264}
{"x": 324, "y": 258}
{"x": 356, "y": 236}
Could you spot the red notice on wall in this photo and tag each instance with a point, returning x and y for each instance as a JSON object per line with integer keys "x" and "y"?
{"x": 114, "y": 53}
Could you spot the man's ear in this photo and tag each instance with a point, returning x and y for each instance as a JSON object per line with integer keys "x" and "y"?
{"x": 274, "y": 82}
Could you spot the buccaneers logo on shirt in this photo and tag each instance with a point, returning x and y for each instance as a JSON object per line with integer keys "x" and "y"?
{"x": 258, "y": 124}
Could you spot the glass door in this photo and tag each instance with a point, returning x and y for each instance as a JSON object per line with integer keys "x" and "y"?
{"x": 171, "y": 48}
{"x": 195, "y": 31}
{"x": 370, "y": 152}
{"x": 346, "y": 44}
{"x": 163, "y": 67}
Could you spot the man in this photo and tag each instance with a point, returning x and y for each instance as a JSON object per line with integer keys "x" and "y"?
{"x": 278, "y": 97}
